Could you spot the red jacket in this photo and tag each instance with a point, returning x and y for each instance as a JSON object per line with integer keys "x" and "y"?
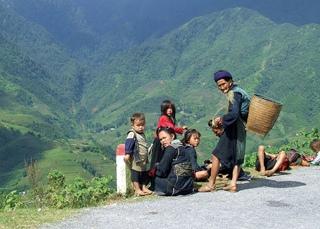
{"x": 165, "y": 121}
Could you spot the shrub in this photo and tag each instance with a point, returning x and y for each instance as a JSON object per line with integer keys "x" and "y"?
{"x": 302, "y": 141}
{"x": 79, "y": 193}
{"x": 56, "y": 180}
{"x": 250, "y": 160}
{"x": 12, "y": 201}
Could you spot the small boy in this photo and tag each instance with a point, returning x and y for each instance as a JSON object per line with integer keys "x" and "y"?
{"x": 136, "y": 154}
{"x": 315, "y": 146}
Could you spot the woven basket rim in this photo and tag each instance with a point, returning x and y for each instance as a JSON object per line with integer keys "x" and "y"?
{"x": 268, "y": 99}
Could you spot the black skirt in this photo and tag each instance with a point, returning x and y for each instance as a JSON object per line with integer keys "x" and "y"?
{"x": 226, "y": 148}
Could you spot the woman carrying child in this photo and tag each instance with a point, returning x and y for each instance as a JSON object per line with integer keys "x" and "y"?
{"x": 231, "y": 145}
{"x": 173, "y": 175}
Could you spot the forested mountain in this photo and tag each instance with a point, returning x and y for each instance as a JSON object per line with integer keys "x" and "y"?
{"x": 60, "y": 72}
{"x": 41, "y": 86}
{"x": 276, "y": 60}
{"x": 72, "y": 72}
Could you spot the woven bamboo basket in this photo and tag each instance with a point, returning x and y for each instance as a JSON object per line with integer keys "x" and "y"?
{"x": 263, "y": 113}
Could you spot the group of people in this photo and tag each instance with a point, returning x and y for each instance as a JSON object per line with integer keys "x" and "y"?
{"x": 170, "y": 167}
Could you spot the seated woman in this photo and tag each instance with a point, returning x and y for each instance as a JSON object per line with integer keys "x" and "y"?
{"x": 173, "y": 174}
{"x": 191, "y": 140}
{"x": 268, "y": 164}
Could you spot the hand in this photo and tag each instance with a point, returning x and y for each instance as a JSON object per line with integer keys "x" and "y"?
{"x": 185, "y": 127}
{"x": 127, "y": 159}
{"x": 152, "y": 172}
{"x": 218, "y": 121}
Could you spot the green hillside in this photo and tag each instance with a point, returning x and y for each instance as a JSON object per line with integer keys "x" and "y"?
{"x": 278, "y": 61}
{"x": 40, "y": 87}
{"x": 51, "y": 64}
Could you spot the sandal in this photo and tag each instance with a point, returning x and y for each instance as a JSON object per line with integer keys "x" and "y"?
{"x": 207, "y": 188}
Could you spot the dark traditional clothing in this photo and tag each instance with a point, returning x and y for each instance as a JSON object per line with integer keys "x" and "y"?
{"x": 231, "y": 146}
{"x": 193, "y": 158}
{"x": 269, "y": 162}
{"x": 174, "y": 172}
{"x": 157, "y": 151}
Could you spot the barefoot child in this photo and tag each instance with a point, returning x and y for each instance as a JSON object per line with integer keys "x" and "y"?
{"x": 136, "y": 154}
{"x": 315, "y": 146}
{"x": 268, "y": 164}
{"x": 192, "y": 140}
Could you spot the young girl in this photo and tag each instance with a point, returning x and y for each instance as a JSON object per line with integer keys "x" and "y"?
{"x": 191, "y": 140}
{"x": 136, "y": 154}
{"x": 315, "y": 146}
{"x": 167, "y": 119}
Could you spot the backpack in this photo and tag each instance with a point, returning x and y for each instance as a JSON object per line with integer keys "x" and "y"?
{"x": 184, "y": 168}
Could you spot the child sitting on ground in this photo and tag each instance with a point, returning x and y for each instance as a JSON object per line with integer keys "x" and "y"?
{"x": 191, "y": 140}
{"x": 136, "y": 155}
{"x": 268, "y": 164}
{"x": 315, "y": 146}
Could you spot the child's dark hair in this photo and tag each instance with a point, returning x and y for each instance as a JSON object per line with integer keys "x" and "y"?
{"x": 211, "y": 123}
{"x": 188, "y": 134}
{"x": 315, "y": 145}
{"x": 137, "y": 116}
{"x": 164, "y": 107}
{"x": 168, "y": 130}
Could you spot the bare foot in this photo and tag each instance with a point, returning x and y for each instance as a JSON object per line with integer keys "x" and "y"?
{"x": 207, "y": 188}
{"x": 268, "y": 173}
{"x": 147, "y": 191}
{"x": 230, "y": 188}
{"x": 263, "y": 172}
{"x": 139, "y": 193}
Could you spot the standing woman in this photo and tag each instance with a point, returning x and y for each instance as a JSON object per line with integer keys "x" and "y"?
{"x": 173, "y": 175}
{"x": 231, "y": 145}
